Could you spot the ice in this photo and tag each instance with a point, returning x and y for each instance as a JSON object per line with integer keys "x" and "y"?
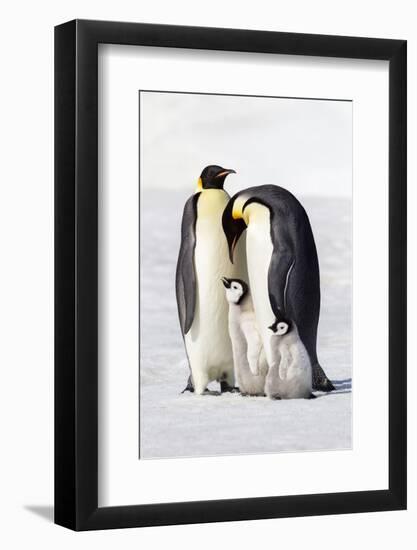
{"x": 176, "y": 425}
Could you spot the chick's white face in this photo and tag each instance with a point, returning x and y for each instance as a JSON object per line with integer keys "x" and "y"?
{"x": 282, "y": 328}
{"x": 234, "y": 292}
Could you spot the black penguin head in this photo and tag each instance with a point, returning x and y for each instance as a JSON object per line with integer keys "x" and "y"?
{"x": 281, "y": 326}
{"x": 233, "y": 226}
{"x": 236, "y": 290}
{"x": 212, "y": 177}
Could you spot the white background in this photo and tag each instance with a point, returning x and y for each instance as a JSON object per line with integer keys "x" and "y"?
{"x": 123, "y": 70}
{"x": 263, "y": 138}
{"x": 27, "y": 271}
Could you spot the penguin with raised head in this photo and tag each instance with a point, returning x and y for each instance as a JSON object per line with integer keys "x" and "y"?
{"x": 289, "y": 375}
{"x": 203, "y": 259}
{"x": 282, "y": 264}
{"x": 248, "y": 354}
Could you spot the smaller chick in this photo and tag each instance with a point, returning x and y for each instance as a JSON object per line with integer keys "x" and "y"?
{"x": 290, "y": 374}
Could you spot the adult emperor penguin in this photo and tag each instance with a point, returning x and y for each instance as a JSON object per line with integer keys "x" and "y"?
{"x": 203, "y": 260}
{"x": 283, "y": 267}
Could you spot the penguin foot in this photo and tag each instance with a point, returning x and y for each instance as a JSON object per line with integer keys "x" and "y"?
{"x": 226, "y": 388}
{"x": 211, "y": 392}
{"x": 189, "y": 387}
{"x": 320, "y": 380}
{"x": 275, "y": 397}
{"x": 312, "y": 396}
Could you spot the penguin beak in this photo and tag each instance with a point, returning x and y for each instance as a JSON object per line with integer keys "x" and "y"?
{"x": 226, "y": 282}
{"x": 233, "y": 228}
{"x": 225, "y": 172}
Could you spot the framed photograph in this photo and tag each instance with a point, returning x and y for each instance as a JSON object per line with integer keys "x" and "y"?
{"x": 230, "y": 254}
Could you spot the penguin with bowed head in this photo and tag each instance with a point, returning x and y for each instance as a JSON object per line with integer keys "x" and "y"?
{"x": 282, "y": 262}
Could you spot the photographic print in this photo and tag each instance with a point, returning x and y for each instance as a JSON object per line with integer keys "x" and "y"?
{"x": 245, "y": 274}
{"x": 213, "y": 282}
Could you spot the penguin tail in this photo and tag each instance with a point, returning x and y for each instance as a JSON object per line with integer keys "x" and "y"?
{"x": 320, "y": 380}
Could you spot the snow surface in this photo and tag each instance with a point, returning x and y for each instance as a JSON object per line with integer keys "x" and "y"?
{"x": 176, "y": 425}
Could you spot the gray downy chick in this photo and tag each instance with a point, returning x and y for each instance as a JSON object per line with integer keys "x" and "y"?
{"x": 248, "y": 353}
{"x": 290, "y": 374}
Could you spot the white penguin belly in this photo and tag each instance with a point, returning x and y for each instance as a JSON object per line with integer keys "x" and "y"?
{"x": 208, "y": 343}
{"x": 259, "y": 252}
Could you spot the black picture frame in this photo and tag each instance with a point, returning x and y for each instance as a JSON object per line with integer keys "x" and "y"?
{"x": 76, "y": 272}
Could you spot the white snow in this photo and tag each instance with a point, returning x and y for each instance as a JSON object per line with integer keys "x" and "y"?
{"x": 176, "y": 425}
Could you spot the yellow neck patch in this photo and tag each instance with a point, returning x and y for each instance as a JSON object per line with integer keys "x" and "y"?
{"x": 200, "y": 184}
{"x": 237, "y": 212}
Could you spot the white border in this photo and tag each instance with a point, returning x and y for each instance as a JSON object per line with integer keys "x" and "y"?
{"x": 123, "y": 479}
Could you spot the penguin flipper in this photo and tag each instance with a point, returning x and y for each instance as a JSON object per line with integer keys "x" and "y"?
{"x": 279, "y": 273}
{"x": 185, "y": 280}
